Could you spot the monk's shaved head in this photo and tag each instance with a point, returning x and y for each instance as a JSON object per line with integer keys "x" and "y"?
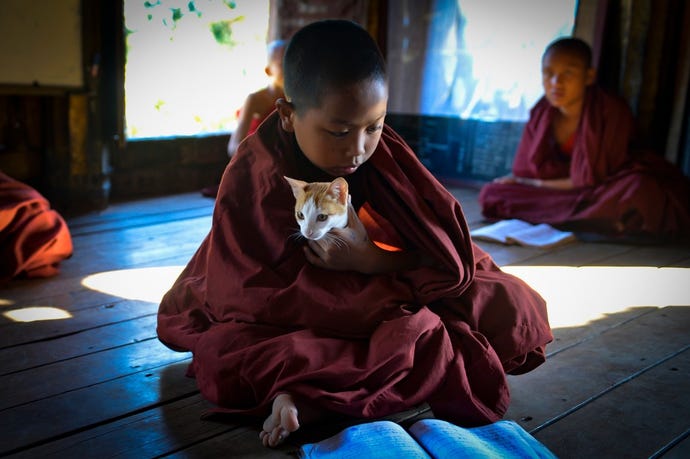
{"x": 326, "y": 55}
{"x": 572, "y": 46}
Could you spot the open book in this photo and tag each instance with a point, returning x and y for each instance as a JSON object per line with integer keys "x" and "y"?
{"x": 428, "y": 439}
{"x": 523, "y": 233}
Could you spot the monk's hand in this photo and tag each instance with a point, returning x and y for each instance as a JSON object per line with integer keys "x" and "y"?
{"x": 505, "y": 179}
{"x": 529, "y": 181}
{"x": 344, "y": 249}
{"x": 510, "y": 179}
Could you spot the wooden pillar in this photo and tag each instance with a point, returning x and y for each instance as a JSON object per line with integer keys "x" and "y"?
{"x": 96, "y": 113}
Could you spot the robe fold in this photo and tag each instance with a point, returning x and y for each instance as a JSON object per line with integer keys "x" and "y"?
{"x": 34, "y": 238}
{"x": 260, "y": 320}
{"x": 617, "y": 189}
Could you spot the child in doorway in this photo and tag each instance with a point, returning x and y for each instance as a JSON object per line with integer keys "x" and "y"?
{"x": 293, "y": 330}
{"x": 258, "y": 105}
{"x": 261, "y": 103}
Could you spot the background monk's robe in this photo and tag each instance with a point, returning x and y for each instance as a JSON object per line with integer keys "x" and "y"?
{"x": 259, "y": 319}
{"x": 34, "y": 239}
{"x": 616, "y": 190}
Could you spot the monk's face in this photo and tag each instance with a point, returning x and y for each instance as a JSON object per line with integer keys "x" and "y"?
{"x": 565, "y": 78}
{"x": 274, "y": 69}
{"x": 342, "y": 133}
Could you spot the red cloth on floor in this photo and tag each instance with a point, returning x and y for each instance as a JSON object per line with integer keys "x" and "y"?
{"x": 260, "y": 320}
{"x": 616, "y": 189}
{"x": 34, "y": 239}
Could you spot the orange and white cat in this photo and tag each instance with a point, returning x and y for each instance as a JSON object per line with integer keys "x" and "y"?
{"x": 320, "y": 206}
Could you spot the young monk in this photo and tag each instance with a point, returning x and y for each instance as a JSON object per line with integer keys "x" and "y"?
{"x": 575, "y": 167}
{"x": 294, "y": 330}
{"x": 258, "y": 105}
{"x": 34, "y": 239}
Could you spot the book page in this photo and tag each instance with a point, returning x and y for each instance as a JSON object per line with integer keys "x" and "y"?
{"x": 499, "y": 231}
{"x": 371, "y": 439}
{"x": 503, "y": 439}
{"x": 542, "y": 235}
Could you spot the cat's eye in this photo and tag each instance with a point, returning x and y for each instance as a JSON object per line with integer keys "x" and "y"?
{"x": 321, "y": 217}
{"x": 299, "y": 215}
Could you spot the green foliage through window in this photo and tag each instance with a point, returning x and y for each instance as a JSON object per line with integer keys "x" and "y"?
{"x": 190, "y": 64}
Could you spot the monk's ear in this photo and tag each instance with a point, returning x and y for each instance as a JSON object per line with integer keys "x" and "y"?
{"x": 286, "y": 111}
{"x": 591, "y": 75}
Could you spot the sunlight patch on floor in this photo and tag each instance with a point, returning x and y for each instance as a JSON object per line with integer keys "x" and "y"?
{"x": 36, "y": 313}
{"x": 575, "y": 295}
{"x": 578, "y": 295}
{"x": 144, "y": 284}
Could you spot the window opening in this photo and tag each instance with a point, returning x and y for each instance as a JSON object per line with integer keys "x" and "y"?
{"x": 484, "y": 56}
{"x": 190, "y": 64}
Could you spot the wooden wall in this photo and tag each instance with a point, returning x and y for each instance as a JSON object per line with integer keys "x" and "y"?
{"x": 68, "y": 141}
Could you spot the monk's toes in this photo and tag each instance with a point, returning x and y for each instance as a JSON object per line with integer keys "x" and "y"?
{"x": 278, "y": 436}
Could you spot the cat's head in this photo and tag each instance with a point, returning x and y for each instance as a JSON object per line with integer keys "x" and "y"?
{"x": 320, "y": 206}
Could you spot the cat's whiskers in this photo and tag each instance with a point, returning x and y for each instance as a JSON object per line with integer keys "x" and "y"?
{"x": 297, "y": 235}
{"x": 338, "y": 241}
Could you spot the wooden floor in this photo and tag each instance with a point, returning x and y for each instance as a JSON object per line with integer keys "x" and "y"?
{"x": 95, "y": 382}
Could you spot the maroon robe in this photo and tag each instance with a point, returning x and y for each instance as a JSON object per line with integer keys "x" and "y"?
{"x": 34, "y": 239}
{"x": 260, "y": 320}
{"x": 616, "y": 190}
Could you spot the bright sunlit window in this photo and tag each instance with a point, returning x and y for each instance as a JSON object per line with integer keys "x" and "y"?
{"x": 191, "y": 63}
{"x": 483, "y": 57}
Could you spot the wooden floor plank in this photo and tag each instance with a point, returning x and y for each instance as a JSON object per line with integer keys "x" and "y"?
{"x": 237, "y": 443}
{"x": 679, "y": 449}
{"x": 510, "y": 255}
{"x": 115, "y": 223}
{"x": 635, "y": 418}
{"x": 71, "y": 281}
{"x": 52, "y": 418}
{"x": 81, "y": 320}
{"x": 658, "y": 256}
{"x": 575, "y": 375}
{"x": 122, "y": 211}
{"x": 152, "y": 433}
{"x": 136, "y": 247}
{"x": 684, "y": 263}
{"x": 84, "y": 371}
{"x": 70, "y": 346}
{"x": 567, "y": 337}
{"x": 576, "y": 254}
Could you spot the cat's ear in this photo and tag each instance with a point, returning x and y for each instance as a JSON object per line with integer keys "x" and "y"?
{"x": 297, "y": 186}
{"x": 338, "y": 188}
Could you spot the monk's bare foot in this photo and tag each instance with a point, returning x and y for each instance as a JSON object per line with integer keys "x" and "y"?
{"x": 281, "y": 422}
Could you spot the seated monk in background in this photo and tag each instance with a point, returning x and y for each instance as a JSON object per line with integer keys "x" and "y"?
{"x": 292, "y": 329}
{"x": 574, "y": 167}
{"x": 258, "y": 105}
{"x": 34, "y": 239}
